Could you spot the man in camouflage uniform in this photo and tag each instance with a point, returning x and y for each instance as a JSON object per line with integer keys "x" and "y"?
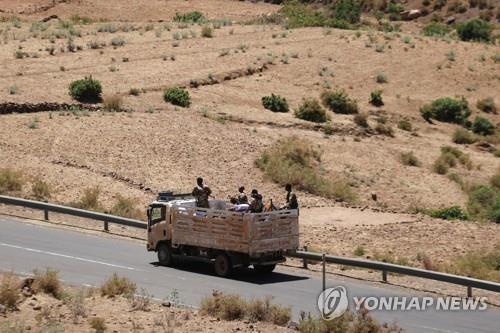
{"x": 201, "y": 194}
{"x": 291, "y": 198}
{"x": 242, "y": 196}
{"x": 256, "y": 205}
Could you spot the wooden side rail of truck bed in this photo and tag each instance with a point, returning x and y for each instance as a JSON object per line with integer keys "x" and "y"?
{"x": 232, "y": 231}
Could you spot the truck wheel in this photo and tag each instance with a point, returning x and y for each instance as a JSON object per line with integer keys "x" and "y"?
{"x": 264, "y": 269}
{"x": 222, "y": 265}
{"x": 165, "y": 255}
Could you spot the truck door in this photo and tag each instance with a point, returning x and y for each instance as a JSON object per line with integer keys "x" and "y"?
{"x": 157, "y": 225}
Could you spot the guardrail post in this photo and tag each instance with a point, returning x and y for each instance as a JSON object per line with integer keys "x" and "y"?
{"x": 469, "y": 291}
{"x": 324, "y": 272}
{"x": 384, "y": 276}
{"x": 106, "y": 226}
{"x": 46, "y": 214}
{"x": 305, "y": 260}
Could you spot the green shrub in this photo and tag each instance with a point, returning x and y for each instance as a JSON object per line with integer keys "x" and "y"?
{"x": 381, "y": 78}
{"x": 447, "y": 109}
{"x": 177, "y": 96}
{"x": 207, "y": 31}
{"x": 394, "y": 10}
{"x": 311, "y": 110}
{"x": 450, "y": 213}
{"x": 462, "y": 136}
{"x": 275, "y": 103}
{"x": 436, "y": 29}
{"x": 361, "y": 119}
{"x": 339, "y": 102}
{"x": 409, "y": 159}
{"x": 487, "y": 105}
{"x": 376, "y": 98}
{"x": 484, "y": 202}
{"x": 475, "y": 30}
{"x": 190, "y": 17}
{"x": 299, "y": 15}
{"x": 347, "y": 10}
{"x": 118, "y": 286}
{"x": 48, "y": 282}
{"x": 86, "y": 90}
{"x": 10, "y": 181}
{"x": 296, "y": 161}
{"x": 495, "y": 215}
{"x": 482, "y": 126}
{"x": 405, "y": 125}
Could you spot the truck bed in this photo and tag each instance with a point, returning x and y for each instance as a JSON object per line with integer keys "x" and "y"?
{"x": 249, "y": 233}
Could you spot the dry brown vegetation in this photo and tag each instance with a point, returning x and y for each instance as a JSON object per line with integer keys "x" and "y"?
{"x": 83, "y": 309}
{"x": 47, "y": 281}
{"x": 347, "y": 323}
{"x": 233, "y": 307}
{"x": 118, "y": 286}
{"x": 129, "y": 156}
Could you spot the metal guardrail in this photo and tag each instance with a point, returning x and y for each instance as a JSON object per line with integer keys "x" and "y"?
{"x": 406, "y": 270}
{"x": 47, "y": 207}
{"x": 304, "y": 255}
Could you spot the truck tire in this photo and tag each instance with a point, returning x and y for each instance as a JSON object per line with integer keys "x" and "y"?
{"x": 165, "y": 255}
{"x": 264, "y": 269}
{"x": 223, "y": 266}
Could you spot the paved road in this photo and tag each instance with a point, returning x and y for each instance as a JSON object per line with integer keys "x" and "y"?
{"x": 90, "y": 259}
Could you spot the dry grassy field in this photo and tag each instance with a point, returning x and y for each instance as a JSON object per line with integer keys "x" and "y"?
{"x": 136, "y": 50}
{"x": 46, "y": 305}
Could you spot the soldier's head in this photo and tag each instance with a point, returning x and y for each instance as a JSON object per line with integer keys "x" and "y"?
{"x": 241, "y": 189}
{"x": 199, "y": 181}
{"x": 288, "y": 187}
{"x": 254, "y": 193}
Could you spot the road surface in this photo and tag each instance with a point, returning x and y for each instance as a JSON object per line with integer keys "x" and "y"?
{"x": 86, "y": 259}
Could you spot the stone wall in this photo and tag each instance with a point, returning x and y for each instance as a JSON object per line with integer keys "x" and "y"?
{"x": 8, "y": 107}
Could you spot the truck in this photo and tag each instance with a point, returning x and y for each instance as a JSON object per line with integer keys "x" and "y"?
{"x": 177, "y": 228}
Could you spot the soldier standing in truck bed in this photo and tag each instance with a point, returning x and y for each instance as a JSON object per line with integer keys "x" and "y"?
{"x": 201, "y": 194}
{"x": 242, "y": 196}
{"x": 256, "y": 204}
{"x": 291, "y": 198}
